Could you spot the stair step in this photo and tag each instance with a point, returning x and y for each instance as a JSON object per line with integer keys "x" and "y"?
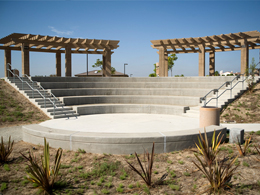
{"x": 63, "y": 112}
{"x": 59, "y": 109}
{"x": 51, "y": 105}
{"x": 65, "y": 115}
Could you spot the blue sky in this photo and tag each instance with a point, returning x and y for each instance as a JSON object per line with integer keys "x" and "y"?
{"x": 134, "y": 23}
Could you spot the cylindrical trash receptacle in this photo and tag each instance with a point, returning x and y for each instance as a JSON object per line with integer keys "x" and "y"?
{"x": 209, "y": 116}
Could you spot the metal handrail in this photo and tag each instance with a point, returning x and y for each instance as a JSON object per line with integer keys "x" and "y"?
{"x": 39, "y": 85}
{"x": 54, "y": 105}
{"x": 215, "y": 91}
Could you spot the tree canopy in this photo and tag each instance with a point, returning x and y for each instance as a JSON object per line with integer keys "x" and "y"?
{"x": 99, "y": 64}
{"x": 154, "y": 72}
{"x": 171, "y": 60}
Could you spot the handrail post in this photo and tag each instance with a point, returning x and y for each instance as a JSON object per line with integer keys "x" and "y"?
{"x": 217, "y": 100}
{"x": 230, "y": 90}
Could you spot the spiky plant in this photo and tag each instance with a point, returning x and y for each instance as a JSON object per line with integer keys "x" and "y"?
{"x": 146, "y": 170}
{"x": 219, "y": 174}
{"x": 41, "y": 173}
{"x": 208, "y": 152}
{"x": 258, "y": 151}
{"x": 242, "y": 151}
{"x": 5, "y": 150}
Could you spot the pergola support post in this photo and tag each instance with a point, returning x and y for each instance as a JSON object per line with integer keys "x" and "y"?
{"x": 7, "y": 60}
{"x": 58, "y": 64}
{"x": 201, "y": 60}
{"x": 67, "y": 61}
{"x": 244, "y": 56}
{"x": 212, "y": 63}
{"x": 106, "y": 72}
{"x": 25, "y": 59}
{"x": 163, "y": 58}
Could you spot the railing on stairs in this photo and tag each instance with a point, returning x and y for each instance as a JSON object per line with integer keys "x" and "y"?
{"x": 33, "y": 89}
{"x": 227, "y": 83}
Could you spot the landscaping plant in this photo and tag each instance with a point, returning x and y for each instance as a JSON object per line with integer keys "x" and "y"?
{"x": 208, "y": 152}
{"x": 242, "y": 151}
{"x": 146, "y": 173}
{"x": 218, "y": 172}
{"x": 40, "y": 173}
{"x": 5, "y": 150}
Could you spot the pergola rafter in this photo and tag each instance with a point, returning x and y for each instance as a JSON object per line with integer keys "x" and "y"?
{"x": 58, "y": 45}
{"x": 217, "y": 43}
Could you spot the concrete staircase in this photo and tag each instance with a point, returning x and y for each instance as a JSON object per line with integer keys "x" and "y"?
{"x": 223, "y": 100}
{"x": 176, "y": 95}
{"x": 37, "y": 98}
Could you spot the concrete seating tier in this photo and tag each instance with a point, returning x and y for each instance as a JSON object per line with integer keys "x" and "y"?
{"x": 172, "y": 95}
{"x": 117, "y": 143}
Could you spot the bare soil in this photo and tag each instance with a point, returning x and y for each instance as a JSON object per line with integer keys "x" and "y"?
{"x": 183, "y": 177}
{"x": 15, "y": 109}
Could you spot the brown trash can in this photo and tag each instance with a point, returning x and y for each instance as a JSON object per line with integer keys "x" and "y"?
{"x": 209, "y": 115}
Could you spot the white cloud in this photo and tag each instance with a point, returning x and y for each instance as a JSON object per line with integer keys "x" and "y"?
{"x": 60, "y": 32}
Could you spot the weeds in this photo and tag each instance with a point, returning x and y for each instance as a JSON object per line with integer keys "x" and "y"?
{"x": 5, "y": 150}
{"x": 242, "y": 151}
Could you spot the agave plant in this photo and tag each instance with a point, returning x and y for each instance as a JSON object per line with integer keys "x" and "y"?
{"x": 41, "y": 173}
{"x": 242, "y": 151}
{"x": 146, "y": 170}
{"x": 209, "y": 152}
{"x": 5, "y": 150}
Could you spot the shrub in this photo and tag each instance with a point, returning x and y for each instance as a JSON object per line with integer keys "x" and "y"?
{"x": 242, "y": 151}
{"x": 5, "y": 150}
{"x": 41, "y": 173}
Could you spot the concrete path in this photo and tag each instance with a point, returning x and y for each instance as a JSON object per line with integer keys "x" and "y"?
{"x": 15, "y": 132}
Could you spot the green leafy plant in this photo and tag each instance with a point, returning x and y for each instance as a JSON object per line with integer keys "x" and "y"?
{"x": 146, "y": 173}
{"x": 242, "y": 151}
{"x": 41, "y": 173}
{"x": 5, "y": 150}
{"x": 208, "y": 152}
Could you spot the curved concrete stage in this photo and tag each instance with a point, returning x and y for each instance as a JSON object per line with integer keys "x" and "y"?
{"x": 119, "y": 133}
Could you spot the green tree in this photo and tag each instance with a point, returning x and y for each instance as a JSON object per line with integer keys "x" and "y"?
{"x": 154, "y": 72}
{"x": 216, "y": 73}
{"x": 250, "y": 73}
{"x": 171, "y": 60}
{"x": 99, "y": 64}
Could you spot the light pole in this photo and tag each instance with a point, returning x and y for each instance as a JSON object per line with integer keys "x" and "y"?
{"x": 124, "y": 67}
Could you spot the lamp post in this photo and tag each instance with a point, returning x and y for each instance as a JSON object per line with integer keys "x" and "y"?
{"x": 124, "y": 67}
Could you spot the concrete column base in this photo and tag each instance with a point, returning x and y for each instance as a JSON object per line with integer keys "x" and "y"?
{"x": 209, "y": 116}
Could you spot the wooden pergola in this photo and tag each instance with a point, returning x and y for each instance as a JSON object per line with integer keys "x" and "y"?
{"x": 217, "y": 43}
{"x": 39, "y": 43}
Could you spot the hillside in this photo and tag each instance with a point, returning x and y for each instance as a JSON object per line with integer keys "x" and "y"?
{"x": 15, "y": 109}
{"x": 245, "y": 109}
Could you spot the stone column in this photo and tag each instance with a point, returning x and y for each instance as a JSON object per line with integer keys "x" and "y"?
{"x": 58, "y": 64}
{"x": 212, "y": 63}
{"x": 161, "y": 62}
{"x": 244, "y": 56}
{"x": 201, "y": 60}
{"x": 68, "y": 62}
{"x": 25, "y": 59}
{"x": 106, "y": 71}
{"x": 7, "y": 60}
{"x": 165, "y": 64}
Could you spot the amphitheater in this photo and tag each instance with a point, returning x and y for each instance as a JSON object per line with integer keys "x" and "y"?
{"x": 122, "y": 115}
